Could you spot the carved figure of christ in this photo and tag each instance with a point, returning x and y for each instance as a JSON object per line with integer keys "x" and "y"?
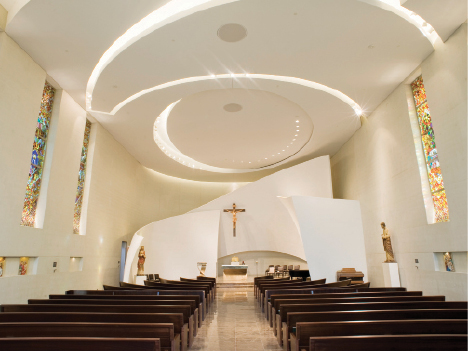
{"x": 234, "y": 212}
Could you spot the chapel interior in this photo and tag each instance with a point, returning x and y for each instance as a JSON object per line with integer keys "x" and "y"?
{"x": 233, "y": 175}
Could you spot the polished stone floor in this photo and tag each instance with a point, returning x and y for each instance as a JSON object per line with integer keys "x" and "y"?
{"x": 235, "y": 323}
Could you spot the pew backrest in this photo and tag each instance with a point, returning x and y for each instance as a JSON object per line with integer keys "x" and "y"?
{"x": 79, "y": 344}
{"x": 434, "y": 342}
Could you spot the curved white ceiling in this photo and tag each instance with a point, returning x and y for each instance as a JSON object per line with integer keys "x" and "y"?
{"x": 360, "y": 51}
{"x": 265, "y": 130}
{"x": 177, "y": 9}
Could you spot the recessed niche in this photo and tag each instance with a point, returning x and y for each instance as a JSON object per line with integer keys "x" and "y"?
{"x": 458, "y": 262}
{"x": 76, "y": 264}
{"x": 17, "y": 266}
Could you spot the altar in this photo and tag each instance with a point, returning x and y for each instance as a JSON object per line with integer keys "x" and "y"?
{"x": 234, "y": 272}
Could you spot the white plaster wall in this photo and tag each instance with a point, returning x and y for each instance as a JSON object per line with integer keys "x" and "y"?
{"x": 123, "y": 195}
{"x": 378, "y": 167}
{"x": 267, "y": 225}
{"x": 173, "y": 246}
{"x": 332, "y": 235}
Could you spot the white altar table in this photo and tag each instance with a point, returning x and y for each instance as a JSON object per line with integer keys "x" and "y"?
{"x": 236, "y": 272}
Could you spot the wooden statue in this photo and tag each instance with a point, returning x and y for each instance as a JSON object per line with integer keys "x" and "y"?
{"x": 387, "y": 244}
{"x": 141, "y": 261}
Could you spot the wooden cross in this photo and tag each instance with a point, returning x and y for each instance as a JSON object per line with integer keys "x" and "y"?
{"x": 234, "y": 212}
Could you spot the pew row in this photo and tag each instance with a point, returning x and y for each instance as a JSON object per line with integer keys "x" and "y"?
{"x": 306, "y": 330}
{"x": 79, "y": 344}
{"x": 169, "y": 341}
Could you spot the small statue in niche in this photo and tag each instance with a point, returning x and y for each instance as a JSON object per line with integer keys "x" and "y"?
{"x": 387, "y": 244}
{"x": 141, "y": 261}
{"x": 449, "y": 267}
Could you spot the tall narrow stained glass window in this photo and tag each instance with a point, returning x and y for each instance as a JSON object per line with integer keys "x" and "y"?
{"x": 38, "y": 156}
{"x": 436, "y": 183}
{"x": 81, "y": 179}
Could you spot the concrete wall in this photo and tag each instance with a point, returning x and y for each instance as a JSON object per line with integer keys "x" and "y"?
{"x": 378, "y": 167}
{"x": 123, "y": 195}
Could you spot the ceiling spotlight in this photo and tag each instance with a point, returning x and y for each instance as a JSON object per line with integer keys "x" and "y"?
{"x": 283, "y": 150}
{"x": 295, "y": 135}
{"x": 250, "y": 162}
{"x": 294, "y": 139}
{"x": 297, "y": 121}
{"x": 278, "y": 153}
{"x": 212, "y": 76}
{"x": 297, "y": 126}
{"x": 232, "y": 75}
{"x": 266, "y": 158}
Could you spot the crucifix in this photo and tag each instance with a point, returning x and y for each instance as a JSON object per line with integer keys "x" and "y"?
{"x": 234, "y": 212}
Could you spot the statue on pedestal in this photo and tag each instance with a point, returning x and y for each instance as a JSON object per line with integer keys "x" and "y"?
{"x": 141, "y": 261}
{"x": 387, "y": 244}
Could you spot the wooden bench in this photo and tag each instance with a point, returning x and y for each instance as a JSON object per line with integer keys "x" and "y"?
{"x": 115, "y": 290}
{"x": 185, "y": 310}
{"x": 297, "y": 294}
{"x": 283, "y": 333}
{"x": 315, "y": 290}
{"x": 79, "y": 344}
{"x": 163, "y": 331}
{"x": 337, "y": 316}
{"x": 191, "y": 303}
{"x": 181, "y": 286}
{"x": 176, "y": 319}
{"x": 417, "y": 342}
{"x": 136, "y": 297}
{"x": 279, "y": 302}
{"x": 306, "y": 330}
{"x": 212, "y": 282}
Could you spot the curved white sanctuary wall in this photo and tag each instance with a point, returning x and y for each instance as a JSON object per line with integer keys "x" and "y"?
{"x": 175, "y": 245}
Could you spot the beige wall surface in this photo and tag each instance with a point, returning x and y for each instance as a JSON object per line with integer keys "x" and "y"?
{"x": 378, "y": 167}
{"x": 123, "y": 195}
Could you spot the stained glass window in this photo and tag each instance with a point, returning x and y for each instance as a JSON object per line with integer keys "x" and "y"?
{"x": 81, "y": 180}
{"x": 38, "y": 156}
{"x": 434, "y": 173}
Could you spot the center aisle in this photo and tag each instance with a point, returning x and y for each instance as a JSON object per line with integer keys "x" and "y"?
{"x": 235, "y": 323}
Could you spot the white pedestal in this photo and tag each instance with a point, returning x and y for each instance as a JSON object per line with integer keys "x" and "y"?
{"x": 139, "y": 279}
{"x": 391, "y": 275}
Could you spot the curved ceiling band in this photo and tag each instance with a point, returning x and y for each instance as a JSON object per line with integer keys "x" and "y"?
{"x": 298, "y": 81}
{"x": 177, "y": 9}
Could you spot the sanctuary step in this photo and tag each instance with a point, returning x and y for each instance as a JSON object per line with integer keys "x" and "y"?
{"x": 235, "y": 285}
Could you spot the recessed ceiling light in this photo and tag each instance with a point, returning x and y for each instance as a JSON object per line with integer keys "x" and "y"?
{"x": 232, "y": 32}
{"x": 283, "y": 150}
{"x": 266, "y": 158}
{"x": 294, "y": 139}
{"x": 297, "y": 130}
{"x": 297, "y": 121}
{"x": 295, "y": 135}
{"x": 297, "y": 126}
{"x": 232, "y": 107}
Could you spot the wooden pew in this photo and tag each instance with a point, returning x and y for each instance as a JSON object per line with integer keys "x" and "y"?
{"x": 258, "y": 280}
{"x": 206, "y": 287}
{"x": 315, "y": 290}
{"x": 359, "y": 315}
{"x": 279, "y": 302}
{"x": 79, "y": 344}
{"x": 163, "y": 331}
{"x": 115, "y": 290}
{"x": 283, "y": 333}
{"x": 140, "y": 297}
{"x": 306, "y": 330}
{"x": 191, "y": 303}
{"x": 297, "y": 294}
{"x": 185, "y": 310}
{"x": 212, "y": 282}
{"x": 265, "y": 288}
{"x": 176, "y": 319}
{"x": 434, "y": 342}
